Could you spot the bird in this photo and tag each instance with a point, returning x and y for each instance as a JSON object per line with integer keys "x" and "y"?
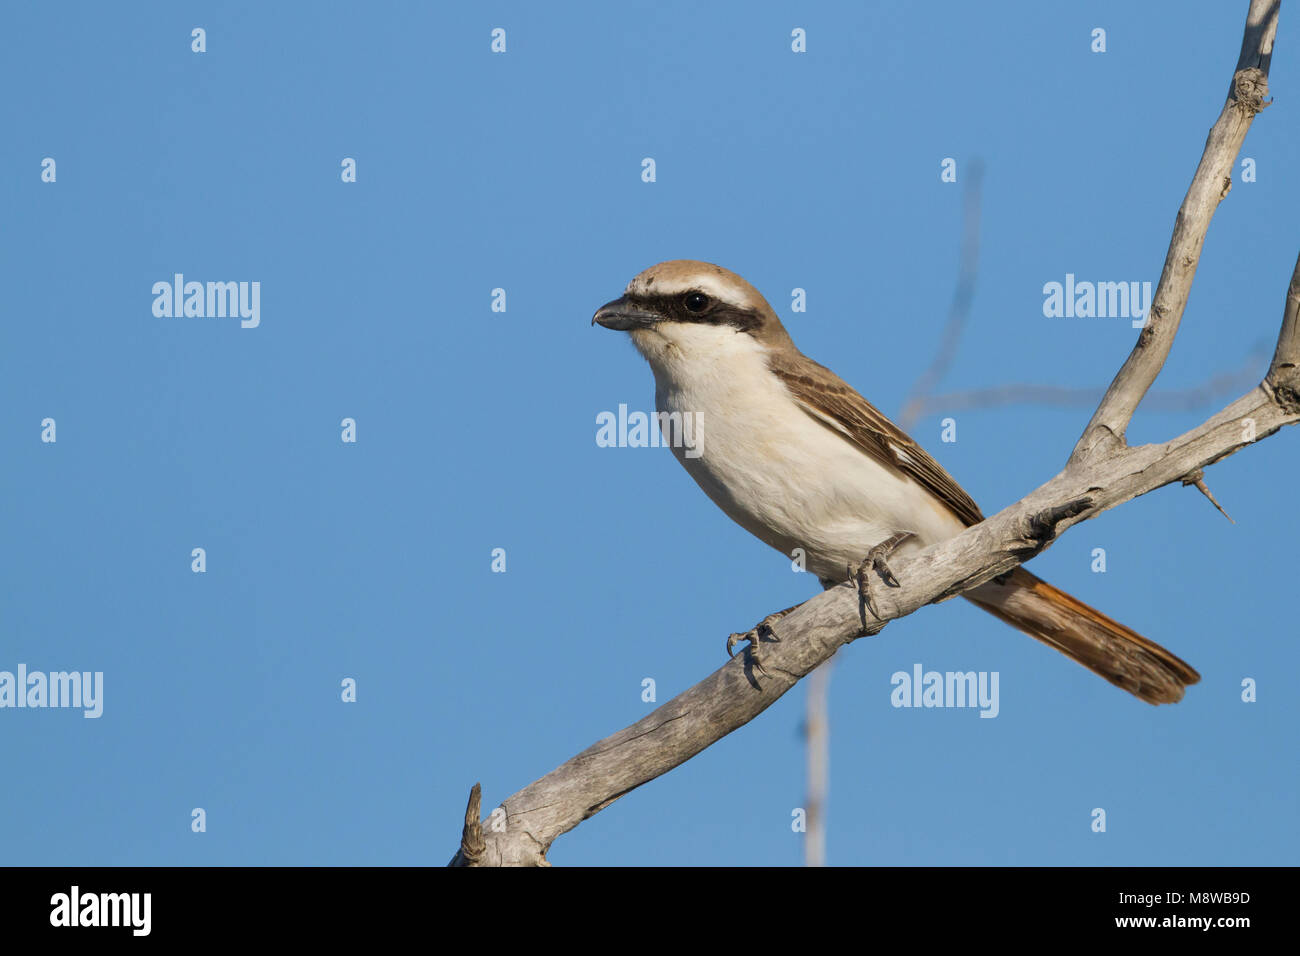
{"x": 795, "y": 456}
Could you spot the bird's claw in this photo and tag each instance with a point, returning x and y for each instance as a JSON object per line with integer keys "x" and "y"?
{"x": 755, "y": 636}
{"x": 877, "y": 561}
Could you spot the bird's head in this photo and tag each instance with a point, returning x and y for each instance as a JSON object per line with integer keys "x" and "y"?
{"x": 685, "y": 309}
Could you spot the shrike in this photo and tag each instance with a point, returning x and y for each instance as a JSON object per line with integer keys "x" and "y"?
{"x": 800, "y": 460}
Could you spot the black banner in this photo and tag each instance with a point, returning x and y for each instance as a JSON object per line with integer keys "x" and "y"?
{"x": 338, "y": 905}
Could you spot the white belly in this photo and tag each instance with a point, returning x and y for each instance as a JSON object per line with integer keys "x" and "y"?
{"x": 783, "y": 476}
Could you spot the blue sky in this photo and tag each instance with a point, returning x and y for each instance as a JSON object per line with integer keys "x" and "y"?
{"x": 476, "y": 429}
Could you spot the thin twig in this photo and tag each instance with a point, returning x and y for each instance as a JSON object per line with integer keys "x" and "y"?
{"x": 1247, "y": 95}
{"x": 963, "y": 295}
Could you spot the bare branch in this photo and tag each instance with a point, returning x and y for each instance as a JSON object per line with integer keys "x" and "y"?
{"x": 731, "y": 696}
{"x": 1246, "y": 97}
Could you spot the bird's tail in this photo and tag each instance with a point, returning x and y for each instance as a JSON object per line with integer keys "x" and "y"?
{"x": 1084, "y": 634}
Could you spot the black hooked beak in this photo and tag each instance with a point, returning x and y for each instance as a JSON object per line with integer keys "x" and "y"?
{"x": 622, "y": 315}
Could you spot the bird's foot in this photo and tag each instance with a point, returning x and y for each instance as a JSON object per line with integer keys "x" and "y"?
{"x": 755, "y": 636}
{"x": 877, "y": 561}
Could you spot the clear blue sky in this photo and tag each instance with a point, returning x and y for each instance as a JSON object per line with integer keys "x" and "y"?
{"x": 476, "y": 429}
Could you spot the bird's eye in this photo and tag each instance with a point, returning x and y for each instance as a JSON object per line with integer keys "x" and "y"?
{"x": 695, "y": 301}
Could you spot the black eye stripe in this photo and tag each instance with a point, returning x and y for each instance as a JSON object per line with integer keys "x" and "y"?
{"x": 673, "y": 308}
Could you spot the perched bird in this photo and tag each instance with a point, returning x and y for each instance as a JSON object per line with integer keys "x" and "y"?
{"x": 800, "y": 460}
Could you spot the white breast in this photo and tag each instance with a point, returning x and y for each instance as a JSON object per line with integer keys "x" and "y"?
{"x": 778, "y": 473}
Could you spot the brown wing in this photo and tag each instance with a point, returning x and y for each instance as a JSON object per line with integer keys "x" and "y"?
{"x": 828, "y": 399}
